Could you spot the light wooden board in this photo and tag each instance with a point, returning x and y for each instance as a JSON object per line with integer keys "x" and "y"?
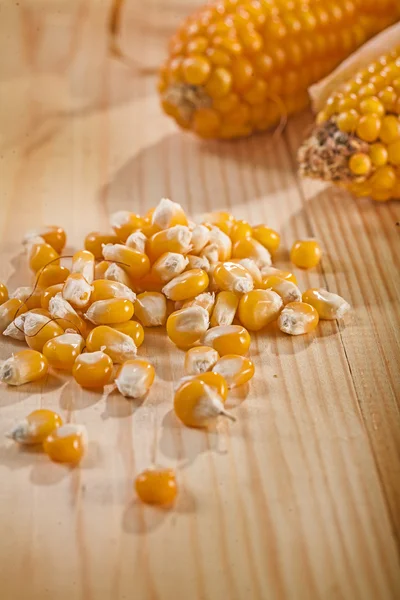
{"x": 300, "y": 498}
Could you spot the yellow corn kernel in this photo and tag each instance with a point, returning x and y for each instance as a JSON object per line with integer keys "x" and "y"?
{"x": 116, "y": 273}
{"x": 360, "y": 164}
{"x": 66, "y": 316}
{"x": 3, "y": 293}
{"x": 77, "y": 290}
{"x": 200, "y": 359}
{"x": 197, "y": 404}
{"x": 51, "y": 275}
{"x": 306, "y": 254}
{"x": 151, "y": 309}
{"x": 200, "y": 238}
{"x": 187, "y": 285}
{"x": 227, "y": 339}
{"x": 287, "y": 290}
{"x": 105, "y": 289}
{"x": 205, "y": 300}
{"x": 157, "y": 486}
{"x": 327, "y": 304}
{"x": 214, "y": 380}
{"x": 235, "y": 369}
{"x": 15, "y": 329}
{"x": 298, "y": 318}
{"x": 41, "y": 254}
{"x": 175, "y": 239}
{"x": 268, "y": 237}
{"x": 251, "y": 267}
{"x": 267, "y": 271}
{"x": 9, "y": 311}
{"x": 22, "y": 367}
{"x": 250, "y": 248}
{"x": 118, "y": 345}
{"x": 224, "y": 309}
{"x": 66, "y": 444}
{"x": 228, "y": 276}
{"x": 221, "y": 219}
{"x": 30, "y": 296}
{"x": 258, "y": 308}
{"x": 219, "y": 246}
{"x": 92, "y": 369}
{"x": 197, "y": 262}
{"x": 168, "y": 214}
{"x": 124, "y": 223}
{"x": 39, "y": 329}
{"x": 62, "y": 350}
{"x": 169, "y": 265}
{"x": 100, "y": 269}
{"x": 95, "y": 241}
{"x": 240, "y": 229}
{"x": 83, "y": 263}
{"x": 113, "y": 310}
{"x": 134, "y": 263}
{"x": 137, "y": 241}
{"x": 52, "y": 234}
{"x": 36, "y": 427}
{"x": 186, "y": 326}
{"x": 133, "y": 329}
{"x": 135, "y": 378}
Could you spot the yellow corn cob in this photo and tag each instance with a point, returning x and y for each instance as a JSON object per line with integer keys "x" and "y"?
{"x": 356, "y": 143}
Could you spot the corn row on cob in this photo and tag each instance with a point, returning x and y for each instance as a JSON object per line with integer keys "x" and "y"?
{"x": 356, "y": 143}
{"x": 236, "y": 66}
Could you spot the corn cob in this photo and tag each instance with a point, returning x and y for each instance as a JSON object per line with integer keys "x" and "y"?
{"x": 356, "y": 142}
{"x": 236, "y": 66}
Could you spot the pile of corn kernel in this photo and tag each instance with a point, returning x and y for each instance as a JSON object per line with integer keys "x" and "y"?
{"x": 208, "y": 283}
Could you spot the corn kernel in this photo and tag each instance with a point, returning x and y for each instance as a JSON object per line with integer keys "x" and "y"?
{"x": 227, "y": 339}
{"x": 186, "y": 326}
{"x": 41, "y": 254}
{"x": 51, "y": 234}
{"x": 92, "y": 369}
{"x": 205, "y": 300}
{"x": 306, "y": 253}
{"x": 118, "y": 345}
{"x": 258, "y": 308}
{"x": 3, "y": 293}
{"x": 378, "y": 155}
{"x": 251, "y": 267}
{"x": 168, "y": 214}
{"x": 328, "y": 305}
{"x": 219, "y": 247}
{"x": 36, "y": 427}
{"x": 105, "y": 289}
{"x": 221, "y": 219}
{"x": 197, "y": 262}
{"x": 51, "y": 275}
{"x": 368, "y": 128}
{"x": 66, "y": 444}
{"x": 287, "y": 290}
{"x": 197, "y": 404}
{"x": 29, "y": 296}
{"x": 298, "y": 318}
{"x": 175, "y": 239}
{"x": 360, "y": 163}
{"x": 137, "y": 241}
{"x": 224, "y": 309}
{"x": 39, "y": 329}
{"x": 232, "y": 277}
{"x": 390, "y": 130}
{"x": 113, "y": 310}
{"x": 267, "y": 271}
{"x": 77, "y": 290}
{"x": 134, "y": 263}
{"x": 133, "y": 329}
{"x": 156, "y": 486}
{"x": 169, "y": 265}
{"x": 235, "y": 369}
{"x": 116, "y": 273}
{"x": 268, "y": 237}
{"x": 95, "y": 241}
{"x": 66, "y": 316}
{"x": 200, "y": 238}
{"x": 15, "y": 329}
{"x": 200, "y": 359}
{"x": 62, "y": 350}
{"x": 251, "y": 248}
{"x": 22, "y": 367}
{"x": 135, "y": 378}
{"x": 83, "y": 263}
{"x": 240, "y": 229}
{"x": 124, "y": 223}
{"x": 9, "y": 310}
{"x": 151, "y": 309}
{"x": 187, "y": 285}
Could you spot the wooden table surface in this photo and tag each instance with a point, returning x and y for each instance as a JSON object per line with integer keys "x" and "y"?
{"x": 300, "y": 498}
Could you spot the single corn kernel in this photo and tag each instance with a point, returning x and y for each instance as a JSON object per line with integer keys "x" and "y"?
{"x": 251, "y": 248}
{"x": 197, "y": 404}
{"x": 105, "y": 289}
{"x": 95, "y": 241}
{"x": 266, "y": 271}
{"x": 224, "y": 309}
{"x": 92, "y": 369}
{"x": 240, "y": 229}
{"x": 52, "y": 234}
{"x": 221, "y": 219}
{"x": 298, "y": 318}
{"x": 118, "y": 345}
{"x": 15, "y": 329}
{"x": 66, "y": 444}
{"x": 133, "y": 329}
{"x": 175, "y": 239}
{"x": 41, "y": 254}
{"x": 151, "y": 309}
{"x": 36, "y": 427}
{"x": 137, "y": 241}
{"x": 22, "y": 367}
{"x": 168, "y": 214}
{"x": 287, "y": 290}
{"x": 124, "y": 223}
{"x": 360, "y": 163}
{"x": 66, "y": 316}
{"x": 219, "y": 247}
{"x": 149, "y": 283}
{"x": 327, "y": 304}
{"x": 116, "y": 273}
{"x": 51, "y": 275}
{"x": 205, "y": 300}
{"x": 156, "y": 486}
{"x": 228, "y": 276}
{"x": 251, "y": 267}
{"x": 235, "y": 369}
{"x": 30, "y": 296}
{"x": 77, "y": 290}
{"x": 100, "y": 269}
{"x": 83, "y": 263}
{"x": 197, "y": 262}
{"x": 169, "y": 265}
{"x": 39, "y": 329}
{"x": 200, "y": 359}
{"x": 113, "y": 310}
{"x": 227, "y": 339}
{"x": 268, "y": 237}
{"x": 200, "y": 238}
{"x": 187, "y": 285}
{"x": 306, "y": 253}
{"x": 214, "y": 380}
{"x": 135, "y": 378}
{"x": 62, "y": 351}
{"x": 186, "y": 326}
{"x": 3, "y": 293}
{"x": 134, "y": 263}
{"x": 9, "y": 311}
{"x": 258, "y": 308}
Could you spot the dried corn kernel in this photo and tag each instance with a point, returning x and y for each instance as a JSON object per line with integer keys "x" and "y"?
{"x": 124, "y": 223}
{"x": 134, "y": 263}
{"x": 100, "y": 269}
{"x": 175, "y": 239}
{"x": 221, "y": 219}
{"x": 200, "y": 238}
{"x": 205, "y": 300}
{"x": 116, "y": 273}
{"x": 39, "y": 329}
{"x": 41, "y": 254}
{"x": 240, "y": 229}
{"x": 133, "y": 329}
{"x": 168, "y": 214}
{"x": 186, "y": 326}
{"x": 135, "y": 378}
{"x": 235, "y": 369}
{"x": 29, "y": 296}
{"x": 200, "y": 359}
{"x": 197, "y": 404}
{"x": 156, "y": 486}
{"x": 258, "y": 308}
{"x": 105, "y": 289}
{"x": 151, "y": 309}
{"x": 137, "y": 241}
{"x": 268, "y": 237}
{"x": 66, "y": 444}
{"x": 266, "y": 271}
{"x": 250, "y": 248}
{"x": 62, "y": 350}
{"x": 224, "y": 309}
{"x": 251, "y": 267}
{"x": 51, "y": 275}
{"x": 118, "y": 345}
{"x": 328, "y": 305}
{"x": 77, "y": 290}
{"x": 169, "y": 265}
{"x": 36, "y": 427}
{"x": 22, "y": 367}
{"x": 15, "y": 329}
{"x": 232, "y": 277}
{"x": 51, "y": 234}
{"x": 3, "y": 293}
{"x": 306, "y": 254}
{"x": 219, "y": 246}
{"x": 66, "y": 316}
{"x": 187, "y": 285}
{"x": 83, "y": 263}
{"x": 9, "y": 310}
{"x": 197, "y": 262}
{"x": 287, "y": 290}
{"x": 298, "y": 318}
{"x": 95, "y": 241}
{"x": 227, "y": 339}
{"x": 113, "y": 310}
{"x": 92, "y": 369}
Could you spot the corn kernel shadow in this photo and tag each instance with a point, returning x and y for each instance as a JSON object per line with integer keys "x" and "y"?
{"x": 16, "y": 456}
{"x": 118, "y": 407}
{"x": 43, "y": 387}
{"x": 73, "y": 397}
{"x": 140, "y": 519}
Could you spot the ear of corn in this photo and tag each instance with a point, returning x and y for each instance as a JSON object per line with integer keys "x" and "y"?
{"x": 356, "y": 143}
{"x": 237, "y": 66}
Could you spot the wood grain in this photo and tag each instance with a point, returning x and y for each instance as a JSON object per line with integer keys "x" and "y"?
{"x": 300, "y": 498}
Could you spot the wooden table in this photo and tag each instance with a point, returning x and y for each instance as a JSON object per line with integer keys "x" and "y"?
{"x": 299, "y": 499}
